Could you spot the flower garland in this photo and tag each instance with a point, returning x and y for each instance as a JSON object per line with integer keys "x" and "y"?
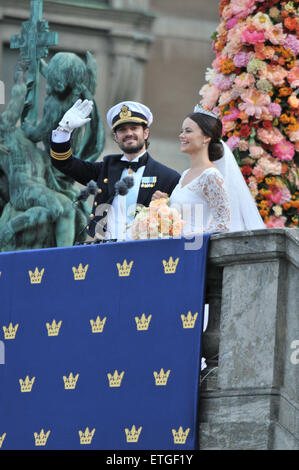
{"x": 253, "y": 86}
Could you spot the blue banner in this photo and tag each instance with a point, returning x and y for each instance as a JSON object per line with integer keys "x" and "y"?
{"x": 102, "y": 346}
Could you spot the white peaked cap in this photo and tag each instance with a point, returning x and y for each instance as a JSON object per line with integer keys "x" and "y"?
{"x": 129, "y": 111}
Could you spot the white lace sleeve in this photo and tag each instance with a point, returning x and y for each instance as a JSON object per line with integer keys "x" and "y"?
{"x": 211, "y": 186}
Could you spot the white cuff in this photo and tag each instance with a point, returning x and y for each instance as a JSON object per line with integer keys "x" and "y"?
{"x": 59, "y": 136}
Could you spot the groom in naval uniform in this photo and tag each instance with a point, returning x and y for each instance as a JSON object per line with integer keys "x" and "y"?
{"x": 112, "y": 214}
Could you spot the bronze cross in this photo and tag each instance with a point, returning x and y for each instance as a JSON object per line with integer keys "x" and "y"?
{"x": 33, "y": 43}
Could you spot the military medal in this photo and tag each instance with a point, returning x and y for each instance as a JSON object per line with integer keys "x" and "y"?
{"x": 148, "y": 181}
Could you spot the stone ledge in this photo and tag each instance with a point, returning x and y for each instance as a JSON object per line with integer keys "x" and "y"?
{"x": 254, "y": 409}
{"x": 90, "y": 16}
{"x": 234, "y": 436}
{"x": 254, "y": 246}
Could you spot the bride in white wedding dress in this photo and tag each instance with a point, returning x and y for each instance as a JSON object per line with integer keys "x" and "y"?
{"x": 211, "y": 195}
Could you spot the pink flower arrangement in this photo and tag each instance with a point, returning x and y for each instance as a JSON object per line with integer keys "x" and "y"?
{"x": 228, "y": 126}
{"x": 285, "y": 195}
{"x": 270, "y": 165}
{"x": 284, "y": 150}
{"x": 280, "y": 195}
{"x": 245, "y": 80}
{"x": 225, "y": 98}
{"x": 257, "y": 47}
{"x": 269, "y": 136}
{"x": 258, "y": 172}
{"x": 261, "y": 21}
{"x": 255, "y": 151}
{"x": 274, "y": 109}
{"x": 292, "y": 43}
{"x": 275, "y": 74}
{"x": 275, "y": 34}
{"x": 243, "y": 145}
{"x": 264, "y": 52}
{"x": 241, "y": 8}
{"x": 253, "y": 37}
{"x": 275, "y": 196}
{"x": 254, "y": 103}
{"x": 234, "y": 44}
{"x": 241, "y": 59}
{"x": 275, "y": 222}
{"x": 233, "y": 142}
{"x": 232, "y": 115}
{"x": 293, "y": 77}
{"x": 210, "y": 96}
{"x": 222, "y": 82}
{"x": 232, "y": 22}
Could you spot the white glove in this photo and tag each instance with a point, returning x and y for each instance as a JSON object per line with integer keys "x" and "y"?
{"x": 76, "y": 116}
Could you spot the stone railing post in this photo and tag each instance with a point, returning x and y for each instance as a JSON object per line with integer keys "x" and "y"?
{"x": 254, "y": 392}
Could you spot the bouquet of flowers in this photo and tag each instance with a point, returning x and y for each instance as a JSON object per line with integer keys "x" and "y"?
{"x": 253, "y": 87}
{"x": 159, "y": 220}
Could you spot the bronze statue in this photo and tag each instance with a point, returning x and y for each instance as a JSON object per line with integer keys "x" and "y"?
{"x": 36, "y": 201}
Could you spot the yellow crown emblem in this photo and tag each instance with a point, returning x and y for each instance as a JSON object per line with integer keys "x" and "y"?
{"x": 115, "y": 379}
{"x": 41, "y": 438}
{"x": 36, "y": 276}
{"x": 189, "y": 320}
{"x": 86, "y": 436}
{"x": 133, "y": 435}
{"x": 180, "y": 436}
{"x": 53, "y": 328}
{"x": 80, "y": 272}
{"x": 125, "y": 112}
{"x": 142, "y": 323}
{"x": 2, "y": 439}
{"x": 0, "y": 273}
{"x": 125, "y": 268}
{"x": 11, "y": 331}
{"x": 162, "y": 377}
{"x": 97, "y": 326}
{"x": 26, "y": 384}
{"x": 170, "y": 265}
{"x": 70, "y": 382}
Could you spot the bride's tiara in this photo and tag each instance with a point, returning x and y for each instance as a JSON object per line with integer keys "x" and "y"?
{"x": 199, "y": 109}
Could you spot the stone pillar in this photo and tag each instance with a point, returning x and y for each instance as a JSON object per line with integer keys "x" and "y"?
{"x": 251, "y": 400}
{"x": 129, "y": 53}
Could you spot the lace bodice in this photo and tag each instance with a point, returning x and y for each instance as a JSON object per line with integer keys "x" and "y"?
{"x": 203, "y": 203}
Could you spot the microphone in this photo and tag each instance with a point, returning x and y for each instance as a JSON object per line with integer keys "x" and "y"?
{"x": 91, "y": 188}
{"x": 122, "y": 186}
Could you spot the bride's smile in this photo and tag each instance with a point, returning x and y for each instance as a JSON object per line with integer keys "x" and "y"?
{"x": 191, "y": 137}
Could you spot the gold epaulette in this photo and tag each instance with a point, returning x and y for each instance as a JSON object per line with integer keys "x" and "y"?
{"x": 61, "y": 156}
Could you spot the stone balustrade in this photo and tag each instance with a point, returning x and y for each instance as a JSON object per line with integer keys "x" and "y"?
{"x": 249, "y": 394}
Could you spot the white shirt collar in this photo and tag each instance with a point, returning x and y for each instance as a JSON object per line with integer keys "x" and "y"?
{"x": 135, "y": 159}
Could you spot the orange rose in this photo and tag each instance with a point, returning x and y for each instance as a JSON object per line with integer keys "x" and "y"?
{"x": 291, "y": 128}
{"x": 286, "y": 53}
{"x": 264, "y": 212}
{"x": 290, "y": 23}
{"x": 293, "y": 101}
{"x": 271, "y": 181}
{"x": 284, "y": 168}
{"x": 285, "y": 91}
{"x": 227, "y": 66}
{"x": 284, "y": 118}
{"x": 291, "y": 63}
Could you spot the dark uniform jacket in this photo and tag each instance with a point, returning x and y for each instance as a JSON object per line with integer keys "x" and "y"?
{"x": 106, "y": 174}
